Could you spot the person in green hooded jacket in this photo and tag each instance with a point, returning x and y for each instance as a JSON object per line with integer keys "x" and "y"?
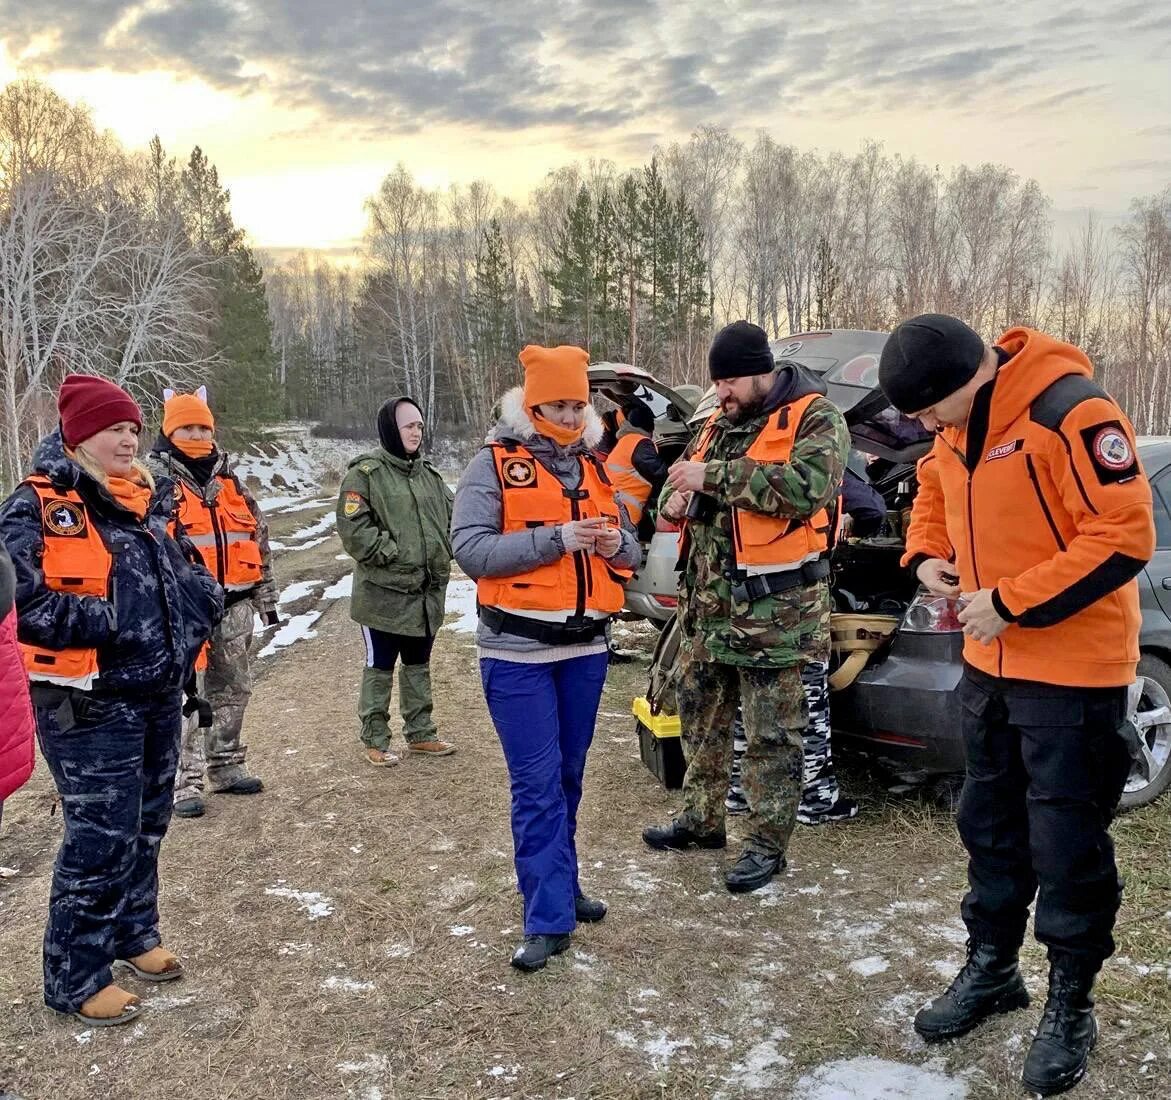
{"x": 394, "y": 518}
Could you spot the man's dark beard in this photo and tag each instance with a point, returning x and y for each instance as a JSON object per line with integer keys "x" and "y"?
{"x": 750, "y": 408}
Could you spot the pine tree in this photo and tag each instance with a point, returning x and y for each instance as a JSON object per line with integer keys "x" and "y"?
{"x": 573, "y": 278}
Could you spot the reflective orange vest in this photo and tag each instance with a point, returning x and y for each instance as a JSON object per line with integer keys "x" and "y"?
{"x": 774, "y": 544}
{"x": 75, "y": 560}
{"x": 533, "y": 497}
{"x": 631, "y": 489}
{"x": 224, "y": 531}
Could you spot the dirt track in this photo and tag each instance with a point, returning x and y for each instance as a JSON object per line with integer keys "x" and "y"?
{"x": 347, "y": 932}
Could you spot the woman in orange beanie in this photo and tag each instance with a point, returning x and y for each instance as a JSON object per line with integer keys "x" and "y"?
{"x": 227, "y": 526}
{"x": 536, "y": 527}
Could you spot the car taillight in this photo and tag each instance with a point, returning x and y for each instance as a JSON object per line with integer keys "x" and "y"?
{"x": 662, "y": 524}
{"x": 933, "y": 615}
{"x": 666, "y": 601}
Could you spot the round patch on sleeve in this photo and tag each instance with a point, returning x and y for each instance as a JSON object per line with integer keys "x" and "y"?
{"x": 1112, "y": 449}
{"x": 64, "y": 518}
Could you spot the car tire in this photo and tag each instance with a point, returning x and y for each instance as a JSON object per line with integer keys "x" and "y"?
{"x": 1155, "y": 702}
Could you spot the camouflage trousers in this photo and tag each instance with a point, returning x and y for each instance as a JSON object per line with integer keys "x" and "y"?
{"x": 775, "y": 716}
{"x": 113, "y": 764}
{"x": 227, "y": 686}
{"x": 820, "y": 791}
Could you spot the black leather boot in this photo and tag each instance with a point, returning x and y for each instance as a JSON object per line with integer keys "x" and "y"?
{"x": 989, "y": 983}
{"x": 752, "y": 871}
{"x": 535, "y": 951}
{"x": 588, "y": 910}
{"x": 1067, "y": 1032}
{"x": 680, "y": 836}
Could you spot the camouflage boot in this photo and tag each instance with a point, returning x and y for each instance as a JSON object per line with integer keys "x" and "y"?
{"x": 374, "y": 705}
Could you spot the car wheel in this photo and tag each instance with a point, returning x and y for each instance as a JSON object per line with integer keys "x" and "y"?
{"x": 1151, "y": 776}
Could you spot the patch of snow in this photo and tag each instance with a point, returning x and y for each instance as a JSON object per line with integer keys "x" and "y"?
{"x": 644, "y": 994}
{"x": 813, "y": 890}
{"x": 461, "y": 601}
{"x": 319, "y": 528}
{"x": 662, "y": 1048}
{"x": 954, "y": 933}
{"x": 373, "y": 1063}
{"x": 341, "y": 590}
{"x": 640, "y": 881}
{"x": 297, "y": 628}
{"x": 841, "y": 872}
{"x": 277, "y": 504}
{"x": 305, "y": 505}
{"x": 9, "y": 872}
{"x": 315, "y": 904}
{"x": 294, "y": 948}
{"x": 770, "y": 896}
{"x": 399, "y": 951}
{"x": 298, "y": 590}
{"x": 83, "y": 1037}
{"x": 945, "y": 968}
{"x": 456, "y": 892}
{"x": 758, "y": 1069}
{"x": 461, "y": 930}
{"x": 900, "y": 1008}
{"x": 164, "y": 1002}
{"x": 346, "y": 985}
{"x": 869, "y": 1078}
{"x": 871, "y": 965}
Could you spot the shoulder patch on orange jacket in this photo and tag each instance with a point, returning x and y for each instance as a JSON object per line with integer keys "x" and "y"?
{"x": 1111, "y": 454}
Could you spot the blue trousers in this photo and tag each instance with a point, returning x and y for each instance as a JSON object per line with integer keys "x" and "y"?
{"x": 544, "y": 716}
{"x": 114, "y": 768}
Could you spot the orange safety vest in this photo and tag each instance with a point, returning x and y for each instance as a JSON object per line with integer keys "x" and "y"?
{"x": 631, "y": 489}
{"x": 75, "y": 560}
{"x": 224, "y": 530}
{"x": 533, "y": 497}
{"x": 775, "y": 544}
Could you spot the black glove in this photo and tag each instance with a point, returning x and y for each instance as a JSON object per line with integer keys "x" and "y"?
{"x": 193, "y": 704}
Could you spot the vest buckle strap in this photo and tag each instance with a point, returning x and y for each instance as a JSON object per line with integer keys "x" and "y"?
{"x": 772, "y": 584}
{"x": 572, "y": 632}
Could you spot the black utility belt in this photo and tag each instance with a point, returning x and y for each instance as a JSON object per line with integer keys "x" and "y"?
{"x": 575, "y": 631}
{"x": 771, "y": 584}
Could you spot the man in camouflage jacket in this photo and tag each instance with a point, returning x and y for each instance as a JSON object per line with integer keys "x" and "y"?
{"x": 737, "y": 649}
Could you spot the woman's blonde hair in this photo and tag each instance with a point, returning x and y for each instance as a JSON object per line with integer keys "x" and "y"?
{"x": 95, "y": 470}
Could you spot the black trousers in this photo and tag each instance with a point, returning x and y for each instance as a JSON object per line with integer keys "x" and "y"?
{"x": 1045, "y": 770}
{"x": 384, "y": 650}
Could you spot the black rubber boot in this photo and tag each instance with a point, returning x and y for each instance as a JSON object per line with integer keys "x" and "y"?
{"x": 1067, "y": 1032}
{"x": 989, "y": 983}
{"x": 535, "y": 951}
{"x": 679, "y": 836}
{"x": 588, "y": 910}
{"x": 190, "y": 807}
{"x": 752, "y": 871}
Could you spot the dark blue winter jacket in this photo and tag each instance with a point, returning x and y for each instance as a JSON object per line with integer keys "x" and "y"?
{"x": 163, "y": 603}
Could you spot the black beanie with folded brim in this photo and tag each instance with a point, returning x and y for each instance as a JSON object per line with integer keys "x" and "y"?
{"x": 926, "y": 359}
{"x": 739, "y": 350}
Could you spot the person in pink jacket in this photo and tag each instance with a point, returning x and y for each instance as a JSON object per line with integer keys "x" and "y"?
{"x": 17, "y": 732}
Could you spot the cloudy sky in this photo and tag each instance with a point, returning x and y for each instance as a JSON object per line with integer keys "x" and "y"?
{"x": 305, "y": 104}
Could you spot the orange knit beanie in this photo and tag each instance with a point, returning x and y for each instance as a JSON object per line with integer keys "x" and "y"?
{"x": 183, "y": 410}
{"x": 555, "y": 374}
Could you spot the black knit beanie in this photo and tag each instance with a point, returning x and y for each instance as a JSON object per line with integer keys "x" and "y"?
{"x": 638, "y": 415}
{"x": 388, "y": 434}
{"x": 927, "y": 359}
{"x": 739, "y": 349}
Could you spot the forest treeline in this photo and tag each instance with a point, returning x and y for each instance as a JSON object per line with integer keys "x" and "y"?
{"x": 129, "y": 262}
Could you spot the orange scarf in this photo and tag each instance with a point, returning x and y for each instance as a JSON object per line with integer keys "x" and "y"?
{"x": 131, "y": 495}
{"x": 195, "y": 448}
{"x": 564, "y": 437}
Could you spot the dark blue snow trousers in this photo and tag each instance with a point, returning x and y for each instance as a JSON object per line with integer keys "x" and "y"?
{"x": 113, "y": 759}
{"x": 544, "y": 715}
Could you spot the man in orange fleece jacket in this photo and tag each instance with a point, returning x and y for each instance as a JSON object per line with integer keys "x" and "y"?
{"x": 1032, "y": 505}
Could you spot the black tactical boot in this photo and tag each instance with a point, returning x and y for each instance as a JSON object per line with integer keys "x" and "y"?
{"x": 989, "y": 983}
{"x": 1066, "y": 1034}
{"x": 588, "y": 910}
{"x": 535, "y": 951}
{"x": 679, "y": 836}
{"x": 752, "y": 871}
